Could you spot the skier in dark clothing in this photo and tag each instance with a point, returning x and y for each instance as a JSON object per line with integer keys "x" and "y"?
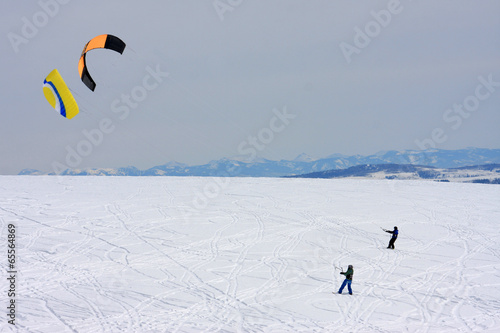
{"x": 348, "y": 280}
{"x": 394, "y": 233}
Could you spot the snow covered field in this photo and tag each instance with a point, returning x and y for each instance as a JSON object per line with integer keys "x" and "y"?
{"x": 161, "y": 254}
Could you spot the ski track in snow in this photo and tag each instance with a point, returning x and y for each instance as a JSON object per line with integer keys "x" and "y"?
{"x": 148, "y": 254}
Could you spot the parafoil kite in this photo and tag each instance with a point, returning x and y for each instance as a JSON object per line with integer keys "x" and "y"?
{"x": 100, "y": 42}
{"x": 58, "y": 95}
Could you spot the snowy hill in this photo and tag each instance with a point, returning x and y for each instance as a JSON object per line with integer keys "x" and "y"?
{"x": 486, "y": 174}
{"x": 193, "y": 254}
{"x": 302, "y": 164}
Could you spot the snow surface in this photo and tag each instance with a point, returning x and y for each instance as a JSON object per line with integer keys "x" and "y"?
{"x": 186, "y": 254}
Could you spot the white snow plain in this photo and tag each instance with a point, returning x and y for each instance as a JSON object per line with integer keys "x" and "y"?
{"x": 166, "y": 254}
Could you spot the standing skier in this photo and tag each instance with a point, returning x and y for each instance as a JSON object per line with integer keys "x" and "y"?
{"x": 348, "y": 280}
{"x": 393, "y": 238}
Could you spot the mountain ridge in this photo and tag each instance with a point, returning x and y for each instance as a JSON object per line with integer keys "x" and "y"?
{"x": 303, "y": 164}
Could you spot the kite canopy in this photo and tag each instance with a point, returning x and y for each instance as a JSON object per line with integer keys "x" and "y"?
{"x": 58, "y": 95}
{"x": 100, "y": 42}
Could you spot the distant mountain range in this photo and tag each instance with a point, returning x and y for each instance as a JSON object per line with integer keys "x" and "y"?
{"x": 303, "y": 164}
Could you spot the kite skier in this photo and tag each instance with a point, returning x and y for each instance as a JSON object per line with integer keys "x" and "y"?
{"x": 394, "y": 233}
{"x": 348, "y": 280}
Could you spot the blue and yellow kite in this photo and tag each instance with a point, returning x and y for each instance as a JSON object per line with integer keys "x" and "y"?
{"x": 58, "y": 95}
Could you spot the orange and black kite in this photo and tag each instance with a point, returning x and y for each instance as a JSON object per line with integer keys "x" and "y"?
{"x": 100, "y": 42}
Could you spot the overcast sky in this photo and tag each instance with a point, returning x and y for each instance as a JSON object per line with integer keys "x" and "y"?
{"x": 202, "y": 80}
